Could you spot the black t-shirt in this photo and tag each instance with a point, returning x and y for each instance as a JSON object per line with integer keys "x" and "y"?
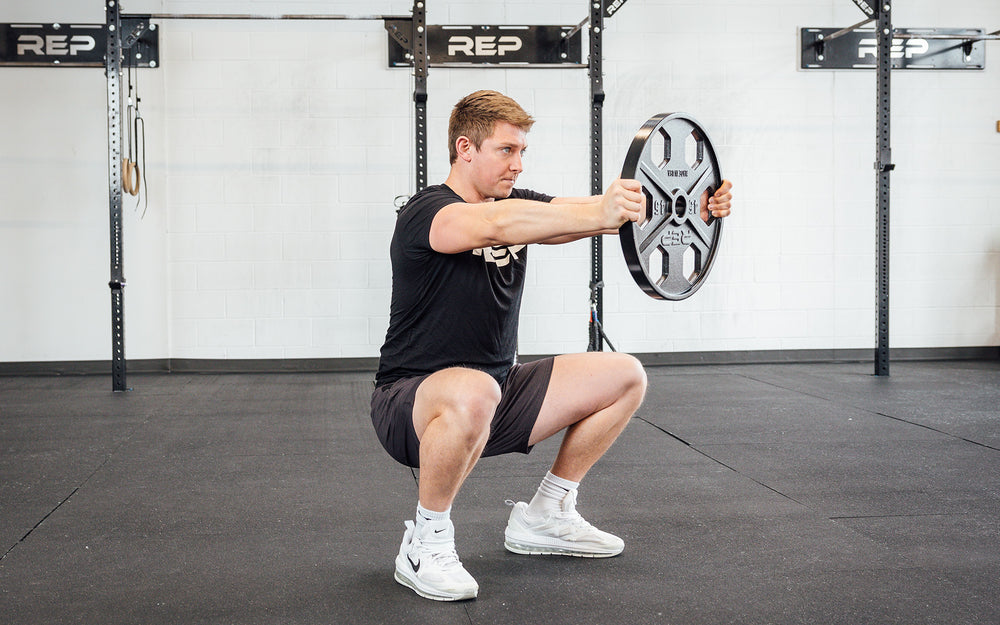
{"x": 450, "y": 310}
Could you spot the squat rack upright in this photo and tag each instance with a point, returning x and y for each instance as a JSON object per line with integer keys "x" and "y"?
{"x": 880, "y": 12}
{"x": 117, "y": 41}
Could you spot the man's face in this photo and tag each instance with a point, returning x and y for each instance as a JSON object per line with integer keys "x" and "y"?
{"x": 498, "y": 161}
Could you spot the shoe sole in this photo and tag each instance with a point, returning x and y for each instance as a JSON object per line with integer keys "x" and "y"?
{"x": 549, "y": 550}
{"x": 413, "y": 585}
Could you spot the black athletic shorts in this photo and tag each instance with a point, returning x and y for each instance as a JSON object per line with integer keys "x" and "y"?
{"x": 521, "y": 397}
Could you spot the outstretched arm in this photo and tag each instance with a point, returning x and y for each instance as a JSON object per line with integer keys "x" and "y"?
{"x": 461, "y": 227}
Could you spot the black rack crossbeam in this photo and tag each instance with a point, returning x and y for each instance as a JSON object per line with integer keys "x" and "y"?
{"x": 248, "y": 16}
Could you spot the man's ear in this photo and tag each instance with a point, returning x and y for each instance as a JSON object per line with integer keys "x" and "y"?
{"x": 464, "y": 148}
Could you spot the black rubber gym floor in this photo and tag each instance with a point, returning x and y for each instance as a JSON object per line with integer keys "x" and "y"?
{"x": 796, "y": 493}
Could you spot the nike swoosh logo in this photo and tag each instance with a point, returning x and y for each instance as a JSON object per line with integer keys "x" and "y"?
{"x": 415, "y": 565}
{"x": 439, "y": 531}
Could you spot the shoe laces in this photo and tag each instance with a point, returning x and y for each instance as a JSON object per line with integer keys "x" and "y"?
{"x": 569, "y": 515}
{"x": 441, "y": 552}
{"x": 574, "y": 519}
{"x": 444, "y": 556}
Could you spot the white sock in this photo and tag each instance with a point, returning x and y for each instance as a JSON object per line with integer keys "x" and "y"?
{"x": 550, "y": 494}
{"x": 424, "y": 515}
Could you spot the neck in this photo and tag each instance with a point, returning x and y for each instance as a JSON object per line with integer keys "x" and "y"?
{"x": 464, "y": 188}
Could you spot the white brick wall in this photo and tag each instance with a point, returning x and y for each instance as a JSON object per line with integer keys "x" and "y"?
{"x": 275, "y": 150}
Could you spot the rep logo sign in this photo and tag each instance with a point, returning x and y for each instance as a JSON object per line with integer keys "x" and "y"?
{"x": 909, "y": 49}
{"x": 77, "y": 45}
{"x": 52, "y": 44}
{"x": 513, "y": 46}
{"x": 488, "y": 45}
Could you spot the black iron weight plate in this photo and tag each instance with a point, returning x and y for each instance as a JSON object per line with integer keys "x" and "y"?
{"x": 670, "y": 255}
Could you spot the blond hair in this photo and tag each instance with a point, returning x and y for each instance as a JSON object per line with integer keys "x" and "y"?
{"x": 475, "y": 116}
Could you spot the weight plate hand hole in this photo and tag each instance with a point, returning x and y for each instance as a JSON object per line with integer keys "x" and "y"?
{"x": 651, "y": 215}
{"x": 694, "y": 150}
{"x": 703, "y": 211}
{"x": 691, "y": 256}
{"x": 657, "y": 265}
{"x": 659, "y": 148}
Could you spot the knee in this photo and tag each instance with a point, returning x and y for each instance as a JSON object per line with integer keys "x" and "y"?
{"x": 631, "y": 373}
{"x": 472, "y": 404}
{"x": 640, "y": 379}
{"x": 632, "y": 376}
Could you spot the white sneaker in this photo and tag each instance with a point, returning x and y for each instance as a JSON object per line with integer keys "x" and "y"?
{"x": 562, "y": 533}
{"x": 428, "y": 564}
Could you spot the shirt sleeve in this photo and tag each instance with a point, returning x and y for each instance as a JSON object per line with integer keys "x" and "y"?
{"x": 414, "y": 222}
{"x": 528, "y": 194}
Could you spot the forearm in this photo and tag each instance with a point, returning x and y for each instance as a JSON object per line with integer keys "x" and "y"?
{"x": 569, "y": 238}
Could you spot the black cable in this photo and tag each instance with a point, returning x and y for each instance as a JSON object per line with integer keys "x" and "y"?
{"x": 594, "y": 287}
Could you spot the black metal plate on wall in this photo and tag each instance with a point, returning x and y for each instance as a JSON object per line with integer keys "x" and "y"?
{"x": 449, "y": 46}
{"x": 858, "y": 49}
{"x": 74, "y": 45}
